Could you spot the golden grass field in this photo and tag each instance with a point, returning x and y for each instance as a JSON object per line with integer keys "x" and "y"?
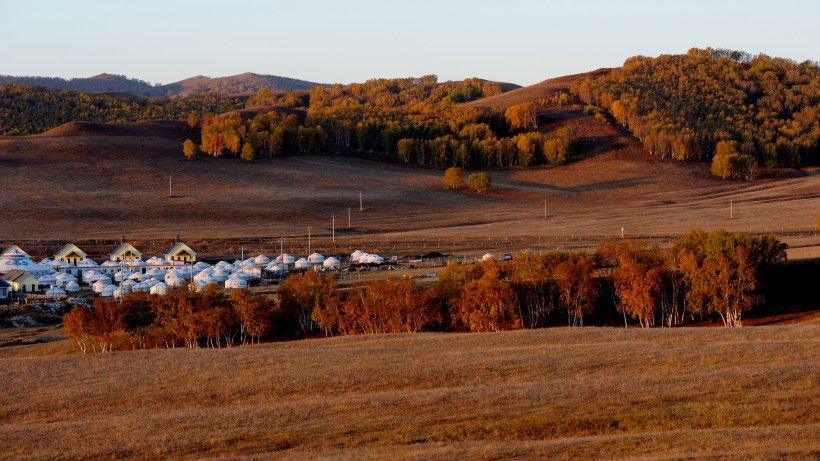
{"x": 558, "y": 393}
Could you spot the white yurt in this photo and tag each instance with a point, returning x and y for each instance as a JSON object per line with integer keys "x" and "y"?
{"x": 87, "y": 263}
{"x": 199, "y": 285}
{"x": 354, "y": 257}
{"x": 108, "y": 291}
{"x": 57, "y": 264}
{"x": 288, "y": 259}
{"x": 155, "y": 272}
{"x": 373, "y": 259}
{"x": 206, "y": 277}
{"x": 261, "y": 260}
{"x": 235, "y": 282}
{"x": 63, "y": 278}
{"x": 175, "y": 281}
{"x": 250, "y": 262}
{"x": 220, "y": 274}
{"x": 98, "y": 286}
{"x": 17, "y": 260}
{"x": 45, "y": 261}
{"x": 277, "y": 269}
{"x": 55, "y": 293}
{"x": 331, "y": 263}
{"x": 487, "y": 257}
{"x": 151, "y": 282}
{"x": 136, "y": 276}
{"x": 100, "y": 277}
{"x": 316, "y": 258}
{"x": 142, "y": 287}
{"x": 159, "y": 289}
{"x": 72, "y": 286}
{"x": 250, "y": 272}
{"x": 201, "y": 266}
{"x": 47, "y": 280}
{"x": 302, "y": 264}
{"x": 155, "y": 261}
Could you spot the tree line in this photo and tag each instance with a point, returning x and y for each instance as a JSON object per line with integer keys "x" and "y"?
{"x": 717, "y": 274}
{"x": 683, "y": 106}
{"x": 28, "y": 110}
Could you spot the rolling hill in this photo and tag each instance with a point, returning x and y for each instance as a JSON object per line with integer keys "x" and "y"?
{"x": 109, "y": 83}
{"x": 540, "y": 90}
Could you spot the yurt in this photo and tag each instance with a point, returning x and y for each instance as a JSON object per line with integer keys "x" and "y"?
{"x": 288, "y": 259}
{"x": 206, "y": 277}
{"x": 100, "y": 277}
{"x": 155, "y": 273}
{"x": 302, "y": 264}
{"x": 355, "y": 255}
{"x": 87, "y": 263}
{"x": 16, "y": 259}
{"x": 151, "y": 282}
{"x": 98, "y": 286}
{"x": 201, "y": 266}
{"x": 316, "y": 258}
{"x": 235, "y": 282}
{"x": 373, "y": 259}
{"x": 175, "y": 281}
{"x": 276, "y": 269}
{"x": 55, "y": 293}
{"x": 159, "y": 289}
{"x": 221, "y": 274}
{"x": 250, "y": 262}
{"x": 141, "y": 287}
{"x": 251, "y": 272}
{"x": 57, "y": 264}
{"x": 108, "y": 291}
{"x": 45, "y": 261}
{"x": 136, "y": 276}
{"x": 199, "y": 285}
{"x": 331, "y": 263}
{"x": 47, "y": 280}
{"x": 155, "y": 261}
{"x": 127, "y": 284}
{"x": 261, "y": 260}
{"x": 487, "y": 257}
{"x": 72, "y": 286}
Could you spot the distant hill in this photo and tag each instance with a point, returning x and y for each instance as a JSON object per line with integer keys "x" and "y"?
{"x": 108, "y": 83}
{"x": 516, "y": 94}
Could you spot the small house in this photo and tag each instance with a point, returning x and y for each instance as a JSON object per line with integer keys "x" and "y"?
{"x": 5, "y": 287}
{"x": 70, "y": 254}
{"x": 125, "y": 252}
{"x": 22, "y": 281}
{"x": 180, "y": 252}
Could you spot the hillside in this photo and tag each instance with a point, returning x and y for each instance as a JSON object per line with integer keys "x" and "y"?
{"x": 545, "y": 89}
{"x": 559, "y": 393}
{"x": 103, "y": 180}
{"x": 108, "y": 83}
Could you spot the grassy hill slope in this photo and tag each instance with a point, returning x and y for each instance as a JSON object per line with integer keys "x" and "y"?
{"x": 544, "y": 89}
{"x": 691, "y": 393}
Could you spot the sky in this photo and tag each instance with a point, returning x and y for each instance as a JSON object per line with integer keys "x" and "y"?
{"x": 522, "y": 42}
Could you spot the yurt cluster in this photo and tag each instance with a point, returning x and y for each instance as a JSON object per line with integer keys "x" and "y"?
{"x": 125, "y": 271}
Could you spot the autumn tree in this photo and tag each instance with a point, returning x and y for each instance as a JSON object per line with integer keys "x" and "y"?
{"x": 79, "y": 326}
{"x": 725, "y": 153}
{"x": 577, "y": 286}
{"x": 638, "y": 281}
{"x": 302, "y": 293}
{"x": 522, "y": 116}
{"x": 558, "y": 148}
{"x": 487, "y": 303}
{"x": 454, "y": 178}
{"x": 253, "y": 314}
{"x": 479, "y": 182}
{"x": 189, "y": 149}
{"x": 248, "y": 152}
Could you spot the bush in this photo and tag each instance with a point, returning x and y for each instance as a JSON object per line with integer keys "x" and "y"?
{"x": 454, "y": 178}
{"x": 479, "y": 182}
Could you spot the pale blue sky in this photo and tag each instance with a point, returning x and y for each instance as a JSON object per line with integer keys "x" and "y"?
{"x": 522, "y": 42}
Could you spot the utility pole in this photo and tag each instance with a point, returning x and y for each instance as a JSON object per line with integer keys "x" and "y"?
{"x": 309, "y": 240}
{"x": 361, "y": 208}
{"x": 170, "y": 194}
{"x": 731, "y": 209}
{"x": 348, "y": 217}
{"x": 334, "y": 228}
{"x": 545, "y": 208}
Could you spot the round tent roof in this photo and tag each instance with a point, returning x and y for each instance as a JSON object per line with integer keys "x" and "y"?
{"x": 235, "y": 283}
{"x": 261, "y": 260}
{"x": 56, "y": 292}
{"x": 487, "y": 257}
{"x": 303, "y": 263}
{"x": 288, "y": 259}
{"x": 159, "y": 289}
{"x": 316, "y": 258}
{"x": 330, "y": 263}
{"x": 87, "y": 263}
{"x": 72, "y": 287}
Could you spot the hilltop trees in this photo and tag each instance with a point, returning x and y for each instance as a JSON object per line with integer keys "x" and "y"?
{"x": 683, "y": 106}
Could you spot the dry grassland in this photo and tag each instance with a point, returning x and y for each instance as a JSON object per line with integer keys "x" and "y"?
{"x": 589, "y": 393}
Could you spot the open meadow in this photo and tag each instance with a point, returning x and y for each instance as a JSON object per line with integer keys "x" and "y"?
{"x": 560, "y": 393}
{"x": 100, "y": 181}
